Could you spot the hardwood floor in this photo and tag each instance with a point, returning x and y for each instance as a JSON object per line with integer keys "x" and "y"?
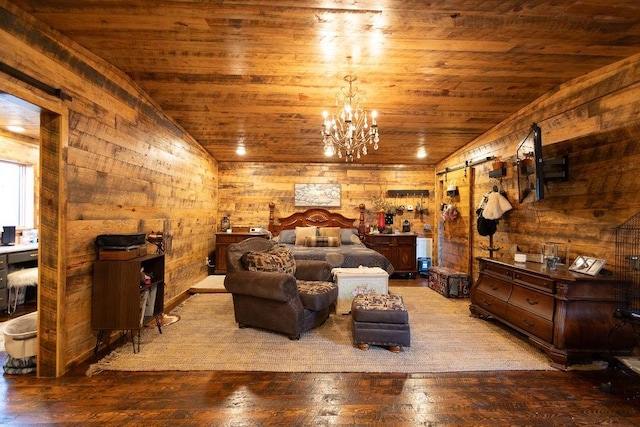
{"x": 574, "y": 398}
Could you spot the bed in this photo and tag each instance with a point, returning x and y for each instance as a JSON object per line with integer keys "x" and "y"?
{"x": 323, "y": 235}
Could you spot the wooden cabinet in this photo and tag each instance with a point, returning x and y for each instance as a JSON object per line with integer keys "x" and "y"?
{"x": 567, "y": 315}
{"x": 399, "y": 249}
{"x": 223, "y": 240}
{"x": 121, "y": 300}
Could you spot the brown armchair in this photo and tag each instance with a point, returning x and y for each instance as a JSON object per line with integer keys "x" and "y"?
{"x": 276, "y": 301}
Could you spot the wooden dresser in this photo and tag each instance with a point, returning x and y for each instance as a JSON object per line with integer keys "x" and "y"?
{"x": 399, "y": 249}
{"x": 567, "y": 315}
{"x": 223, "y": 240}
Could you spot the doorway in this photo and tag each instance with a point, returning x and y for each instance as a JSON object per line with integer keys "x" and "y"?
{"x": 48, "y": 118}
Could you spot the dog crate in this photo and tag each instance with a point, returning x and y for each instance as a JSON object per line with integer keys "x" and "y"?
{"x": 627, "y": 269}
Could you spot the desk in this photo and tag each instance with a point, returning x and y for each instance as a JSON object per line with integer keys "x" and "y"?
{"x": 11, "y": 256}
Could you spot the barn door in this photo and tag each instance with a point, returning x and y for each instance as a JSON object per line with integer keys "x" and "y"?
{"x": 454, "y": 230}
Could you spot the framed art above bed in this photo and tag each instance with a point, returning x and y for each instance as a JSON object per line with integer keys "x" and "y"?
{"x": 317, "y": 195}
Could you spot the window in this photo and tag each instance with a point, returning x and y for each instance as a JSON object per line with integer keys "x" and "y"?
{"x": 17, "y": 194}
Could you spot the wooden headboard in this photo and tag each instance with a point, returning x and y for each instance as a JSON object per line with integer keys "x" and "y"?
{"x": 314, "y": 216}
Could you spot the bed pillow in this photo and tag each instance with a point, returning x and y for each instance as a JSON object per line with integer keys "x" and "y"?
{"x": 322, "y": 241}
{"x": 349, "y": 236}
{"x": 278, "y": 259}
{"x": 287, "y": 237}
{"x": 303, "y": 232}
{"x": 329, "y": 232}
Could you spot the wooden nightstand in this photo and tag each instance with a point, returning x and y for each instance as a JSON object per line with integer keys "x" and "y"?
{"x": 400, "y": 249}
{"x": 223, "y": 240}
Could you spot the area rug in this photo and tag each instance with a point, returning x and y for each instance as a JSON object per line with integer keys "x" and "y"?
{"x": 444, "y": 338}
{"x": 210, "y": 284}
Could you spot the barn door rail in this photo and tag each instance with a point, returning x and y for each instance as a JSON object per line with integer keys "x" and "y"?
{"x": 14, "y": 72}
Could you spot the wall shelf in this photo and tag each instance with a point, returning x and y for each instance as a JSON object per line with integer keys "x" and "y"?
{"x": 398, "y": 193}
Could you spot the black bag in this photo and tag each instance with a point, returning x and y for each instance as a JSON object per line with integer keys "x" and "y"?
{"x": 487, "y": 227}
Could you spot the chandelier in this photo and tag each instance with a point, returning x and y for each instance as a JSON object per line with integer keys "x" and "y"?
{"x": 348, "y": 129}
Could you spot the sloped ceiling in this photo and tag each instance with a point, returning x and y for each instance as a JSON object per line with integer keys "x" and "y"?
{"x": 439, "y": 73}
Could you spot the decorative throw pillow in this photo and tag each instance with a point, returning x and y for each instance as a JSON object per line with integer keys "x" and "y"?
{"x": 304, "y": 232}
{"x": 321, "y": 241}
{"x": 329, "y": 232}
{"x": 287, "y": 236}
{"x": 278, "y": 259}
{"x": 288, "y": 262}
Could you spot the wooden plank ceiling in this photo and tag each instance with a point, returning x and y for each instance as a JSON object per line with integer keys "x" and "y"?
{"x": 261, "y": 72}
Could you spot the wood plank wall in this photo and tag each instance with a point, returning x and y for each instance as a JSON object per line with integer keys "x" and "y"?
{"x": 127, "y": 168}
{"x": 453, "y": 236}
{"x": 595, "y": 120}
{"x": 246, "y": 189}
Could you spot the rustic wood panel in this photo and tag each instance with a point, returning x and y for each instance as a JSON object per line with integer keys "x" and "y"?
{"x": 121, "y": 167}
{"x": 595, "y": 122}
{"x": 221, "y": 71}
{"x": 452, "y": 245}
{"x": 52, "y": 315}
{"x": 246, "y": 189}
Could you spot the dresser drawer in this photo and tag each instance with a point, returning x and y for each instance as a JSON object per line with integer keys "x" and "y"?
{"x": 18, "y": 257}
{"x": 498, "y": 271}
{"x": 536, "y": 281}
{"x": 3, "y": 280}
{"x": 495, "y": 287}
{"x": 401, "y": 240}
{"x": 530, "y": 323}
{"x": 3, "y": 262}
{"x": 490, "y": 303}
{"x": 536, "y": 302}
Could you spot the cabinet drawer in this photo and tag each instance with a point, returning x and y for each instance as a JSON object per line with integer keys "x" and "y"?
{"x": 495, "y": 287}
{"x": 536, "y": 302}
{"x": 3, "y": 262}
{"x": 497, "y": 270}
{"x": 3, "y": 279}
{"x": 490, "y": 303}
{"x": 19, "y": 257}
{"x": 377, "y": 240}
{"x": 229, "y": 238}
{"x": 405, "y": 240}
{"x": 530, "y": 323}
{"x": 530, "y": 279}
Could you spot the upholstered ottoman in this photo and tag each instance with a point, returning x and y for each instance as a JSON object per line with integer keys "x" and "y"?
{"x": 380, "y": 319}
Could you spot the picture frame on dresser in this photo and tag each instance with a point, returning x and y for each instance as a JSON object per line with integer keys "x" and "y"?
{"x": 587, "y": 265}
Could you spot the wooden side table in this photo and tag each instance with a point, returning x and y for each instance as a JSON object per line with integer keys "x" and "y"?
{"x": 400, "y": 249}
{"x": 223, "y": 240}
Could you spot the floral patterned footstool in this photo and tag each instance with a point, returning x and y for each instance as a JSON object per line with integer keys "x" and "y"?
{"x": 380, "y": 319}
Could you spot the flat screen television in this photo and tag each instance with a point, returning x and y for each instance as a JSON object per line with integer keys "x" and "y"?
{"x": 530, "y": 166}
